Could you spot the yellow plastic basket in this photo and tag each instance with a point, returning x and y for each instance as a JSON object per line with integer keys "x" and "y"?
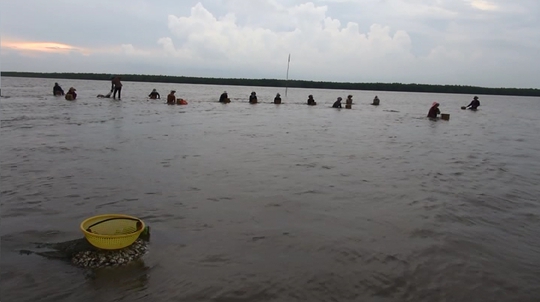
{"x": 112, "y": 231}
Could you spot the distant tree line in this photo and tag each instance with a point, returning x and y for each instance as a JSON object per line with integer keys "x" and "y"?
{"x": 460, "y": 89}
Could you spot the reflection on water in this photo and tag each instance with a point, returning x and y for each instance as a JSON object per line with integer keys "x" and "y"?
{"x": 273, "y": 202}
{"x": 130, "y": 278}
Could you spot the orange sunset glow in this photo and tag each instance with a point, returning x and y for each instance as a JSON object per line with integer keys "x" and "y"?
{"x": 51, "y": 47}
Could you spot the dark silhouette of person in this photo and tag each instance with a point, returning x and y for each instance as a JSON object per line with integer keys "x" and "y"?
{"x": 475, "y": 103}
{"x": 348, "y": 101}
{"x": 57, "y": 90}
{"x": 253, "y": 98}
{"x": 311, "y": 101}
{"x": 434, "y": 110}
{"x": 171, "y": 98}
{"x": 224, "y": 97}
{"x": 116, "y": 86}
{"x": 154, "y": 94}
{"x": 337, "y": 103}
{"x": 277, "y": 99}
{"x": 71, "y": 94}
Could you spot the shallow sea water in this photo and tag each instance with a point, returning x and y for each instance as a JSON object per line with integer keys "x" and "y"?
{"x": 273, "y": 202}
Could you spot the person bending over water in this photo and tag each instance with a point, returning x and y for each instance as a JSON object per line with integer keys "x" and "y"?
{"x": 57, "y": 90}
{"x": 376, "y": 101}
{"x": 224, "y": 97}
{"x": 154, "y": 94}
{"x": 116, "y": 86}
{"x": 475, "y": 103}
{"x": 71, "y": 94}
{"x": 277, "y": 99}
{"x": 171, "y": 98}
{"x": 253, "y": 98}
{"x": 311, "y": 101}
{"x": 434, "y": 110}
{"x": 348, "y": 101}
{"x": 337, "y": 103}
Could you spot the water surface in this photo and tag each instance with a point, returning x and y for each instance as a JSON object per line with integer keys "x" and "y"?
{"x": 273, "y": 202}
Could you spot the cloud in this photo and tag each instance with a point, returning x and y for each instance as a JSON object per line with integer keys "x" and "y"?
{"x": 471, "y": 42}
{"x": 483, "y": 5}
{"x": 131, "y": 51}
{"x": 315, "y": 41}
{"x": 37, "y": 47}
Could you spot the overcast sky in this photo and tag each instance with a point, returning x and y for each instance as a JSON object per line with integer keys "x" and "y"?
{"x": 490, "y": 43}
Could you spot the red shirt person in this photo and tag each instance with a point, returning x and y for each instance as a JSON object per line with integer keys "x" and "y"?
{"x": 434, "y": 110}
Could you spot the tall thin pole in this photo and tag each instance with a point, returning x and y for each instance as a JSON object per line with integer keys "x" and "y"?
{"x": 287, "y": 80}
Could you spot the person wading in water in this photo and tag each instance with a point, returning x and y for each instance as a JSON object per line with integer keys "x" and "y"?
{"x": 116, "y": 86}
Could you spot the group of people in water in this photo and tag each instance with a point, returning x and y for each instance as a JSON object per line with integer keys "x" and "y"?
{"x": 224, "y": 98}
{"x": 71, "y": 95}
{"x": 434, "y": 111}
{"x": 116, "y": 87}
{"x": 348, "y": 102}
{"x": 171, "y": 97}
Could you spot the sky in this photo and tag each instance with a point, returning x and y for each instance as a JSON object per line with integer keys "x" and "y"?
{"x": 488, "y": 43}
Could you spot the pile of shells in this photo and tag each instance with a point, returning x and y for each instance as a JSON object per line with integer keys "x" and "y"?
{"x": 104, "y": 258}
